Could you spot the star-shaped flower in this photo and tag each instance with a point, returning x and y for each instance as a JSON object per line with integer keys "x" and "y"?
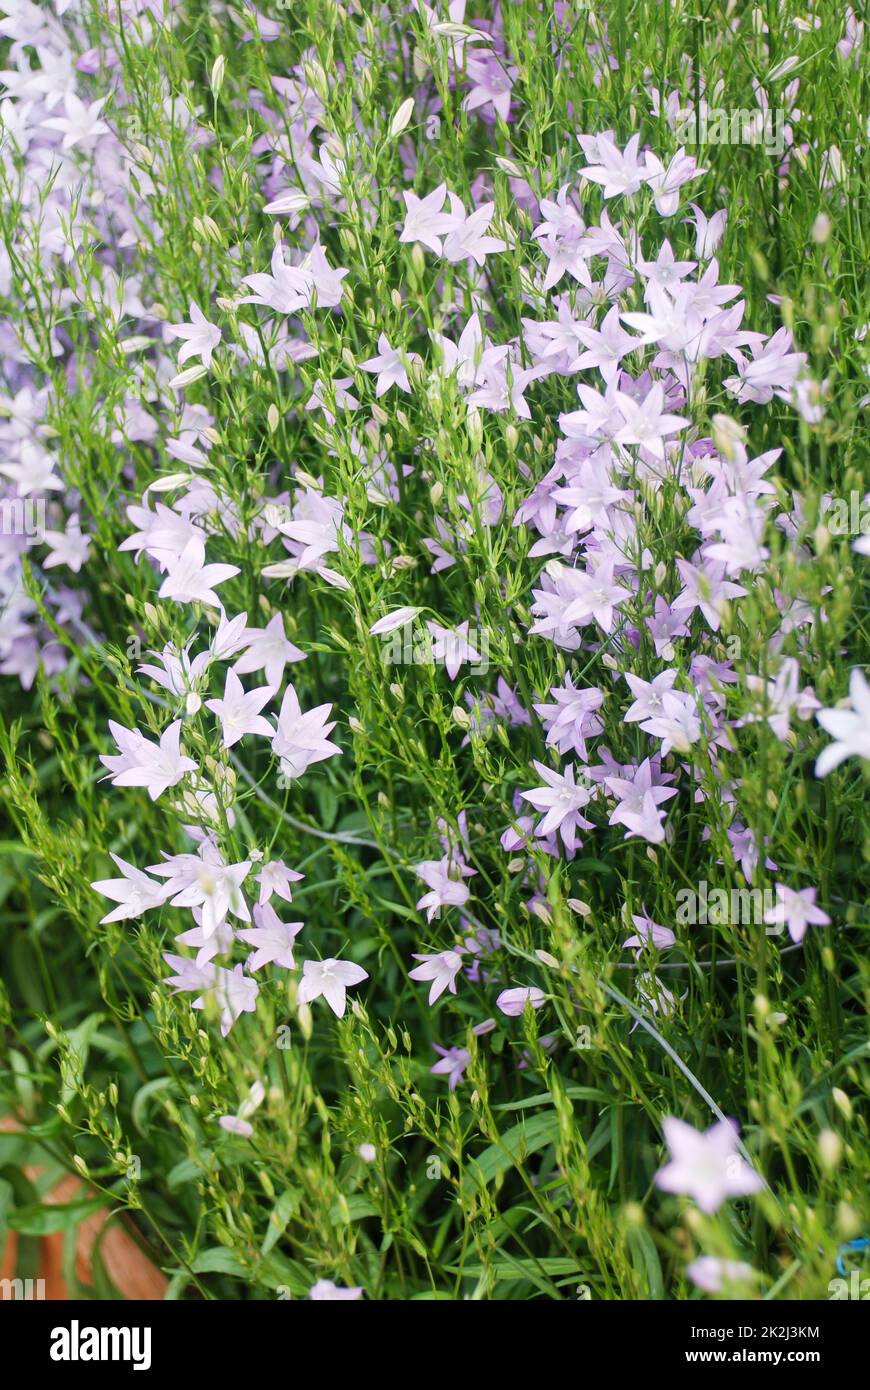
{"x": 706, "y": 1166}
{"x": 142, "y": 763}
{"x": 330, "y": 978}
{"x": 850, "y": 728}
{"x": 272, "y": 938}
{"x": 200, "y": 337}
{"x": 190, "y": 580}
{"x": 796, "y": 909}
{"x": 239, "y": 711}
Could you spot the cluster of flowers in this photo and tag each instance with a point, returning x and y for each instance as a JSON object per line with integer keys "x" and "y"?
{"x": 621, "y": 448}
{"x": 203, "y": 881}
{"x": 45, "y": 127}
{"x": 627, "y": 440}
{"x": 599, "y": 294}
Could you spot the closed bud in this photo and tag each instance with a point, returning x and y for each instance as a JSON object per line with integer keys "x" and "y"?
{"x": 830, "y": 1147}
{"x": 728, "y": 435}
{"x": 217, "y": 74}
{"x": 303, "y": 1014}
{"x": 402, "y": 118}
{"x": 834, "y": 161}
{"x": 821, "y": 229}
{"x": 509, "y": 166}
{"x": 842, "y": 1102}
{"x": 848, "y": 1221}
{"x": 634, "y": 1214}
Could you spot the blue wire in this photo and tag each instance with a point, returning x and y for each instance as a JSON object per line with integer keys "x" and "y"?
{"x": 861, "y": 1243}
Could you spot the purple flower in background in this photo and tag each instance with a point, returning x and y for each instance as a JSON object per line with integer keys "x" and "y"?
{"x": 639, "y": 799}
{"x": 272, "y": 938}
{"x": 468, "y": 239}
{"x": 572, "y": 718}
{"x": 708, "y": 231}
{"x": 81, "y": 125}
{"x": 648, "y": 695}
{"x": 69, "y": 547}
{"x": 512, "y": 1002}
{"x": 190, "y": 977}
{"x": 648, "y": 933}
{"x": 452, "y": 1064}
{"x": 678, "y": 725}
{"x": 451, "y": 645}
{"x": 796, "y": 908}
{"x": 772, "y": 370}
{"x": 706, "y": 1166}
{"x": 325, "y": 1291}
{"x": 491, "y": 83}
{"x": 240, "y": 1123}
{"x": 714, "y": 1275}
{"x": 234, "y": 1125}
{"x": 214, "y": 887}
{"x": 441, "y": 969}
{"x": 207, "y": 944}
{"x": 647, "y": 422}
{"x": 443, "y": 877}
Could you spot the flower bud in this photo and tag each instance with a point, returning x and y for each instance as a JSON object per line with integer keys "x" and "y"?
{"x": 830, "y": 1147}
{"x": 217, "y": 74}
